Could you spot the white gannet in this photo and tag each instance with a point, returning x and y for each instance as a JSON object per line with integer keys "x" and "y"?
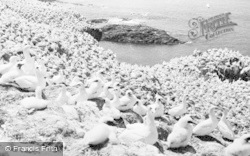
{"x": 29, "y": 62}
{"x": 94, "y": 89}
{"x": 118, "y": 91}
{"x": 41, "y": 66}
{"x": 207, "y": 126}
{"x": 81, "y": 96}
{"x": 35, "y": 103}
{"x": 225, "y": 127}
{"x": 75, "y": 81}
{"x": 145, "y": 132}
{"x": 115, "y": 102}
{"x": 111, "y": 82}
{"x": 98, "y": 75}
{"x": 157, "y": 107}
{"x": 13, "y": 73}
{"x": 70, "y": 112}
{"x": 63, "y": 97}
{"x": 98, "y": 135}
{"x": 181, "y": 133}
{"x": 106, "y": 92}
{"x": 29, "y": 82}
{"x": 240, "y": 147}
{"x": 111, "y": 111}
{"x": 179, "y": 110}
{"x": 127, "y": 101}
{"x": 4, "y": 68}
{"x": 59, "y": 78}
{"x": 140, "y": 108}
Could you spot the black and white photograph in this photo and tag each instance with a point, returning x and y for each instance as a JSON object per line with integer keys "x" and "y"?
{"x": 125, "y": 78}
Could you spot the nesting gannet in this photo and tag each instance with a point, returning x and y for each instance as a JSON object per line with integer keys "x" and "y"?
{"x": 181, "y": 133}
{"x": 57, "y": 79}
{"x": 140, "y": 108}
{"x": 63, "y": 97}
{"x": 29, "y": 62}
{"x": 29, "y": 82}
{"x": 112, "y": 82}
{"x": 106, "y": 92}
{"x": 35, "y": 103}
{"x": 127, "y": 102}
{"x": 98, "y": 75}
{"x": 95, "y": 88}
{"x": 75, "y": 81}
{"x": 240, "y": 147}
{"x": 145, "y": 132}
{"x": 179, "y": 110}
{"x": 115, "y": 102}
{"x": 12, "y": 74}
{"x": 42, "y": 68}
{"x": 70, "y": 111}
{"x": 110, "y": 110}
{"x": 225, "y": 127}
{"x": 4, "y": 68}
{"x": 81, "y": 96}
{"x": 207, "y": 126}
{"x": 98, "y": 135}
{"x": 157, "y": 107}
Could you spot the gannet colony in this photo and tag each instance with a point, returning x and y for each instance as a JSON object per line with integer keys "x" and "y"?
{"x": 58, "y": 84}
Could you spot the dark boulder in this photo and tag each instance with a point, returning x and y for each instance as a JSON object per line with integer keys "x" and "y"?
{"x": 137, "y": 34}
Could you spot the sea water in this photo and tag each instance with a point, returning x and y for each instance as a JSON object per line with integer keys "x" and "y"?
{"x": 172, "y": 16}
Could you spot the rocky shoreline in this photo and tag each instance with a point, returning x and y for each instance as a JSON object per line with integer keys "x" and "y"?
{"x": 57, "y": 41}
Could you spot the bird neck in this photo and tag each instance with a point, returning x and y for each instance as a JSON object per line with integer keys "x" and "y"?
{"x": 39, "y": 94}
{"x": 115, "y": 97}
{"x": 212, "y": 115}
{"x": 224, "y": 116}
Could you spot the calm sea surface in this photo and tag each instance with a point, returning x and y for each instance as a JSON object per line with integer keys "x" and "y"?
{"x": 172, "y": 16}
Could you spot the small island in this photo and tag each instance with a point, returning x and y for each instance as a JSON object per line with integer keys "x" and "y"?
{"x": 137, "y": 34}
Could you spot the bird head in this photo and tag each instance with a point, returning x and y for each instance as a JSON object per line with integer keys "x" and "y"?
{"x": 137, "y": 103}
{"x": 13, "y": 59}
{"x": 96, "y": 80}
{"x": 186, "y": 120}
{"x": 129, "y": 93}
{"x": 107, "y": 101}
{"x": 150, "y": 114}
{"x": 246, "y": 138}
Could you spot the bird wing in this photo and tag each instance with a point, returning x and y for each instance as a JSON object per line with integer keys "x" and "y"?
{"x": 26, "y": 81}
{"x": 225, "y": 130}
{"x": 204, "y": 125}
{"x": 134, "y": 135}
{"x": 178, "y": 136}
{"x": 135, "y": 126}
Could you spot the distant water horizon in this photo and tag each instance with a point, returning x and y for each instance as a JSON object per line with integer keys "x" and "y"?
{"x": 172, "y": 16}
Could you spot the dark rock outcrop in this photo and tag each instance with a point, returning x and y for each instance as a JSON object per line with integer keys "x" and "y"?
{"x": 96, "y": 33}
{"x": 137, "y": 34}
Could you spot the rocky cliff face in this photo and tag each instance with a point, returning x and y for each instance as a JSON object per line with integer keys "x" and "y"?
{"x": 137, "y": 34}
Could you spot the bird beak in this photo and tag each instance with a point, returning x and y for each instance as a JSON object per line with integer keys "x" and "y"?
{"x": 192, "y": 122}
{"x": 19, "y": 66}
{"x": 137, "y": 102}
